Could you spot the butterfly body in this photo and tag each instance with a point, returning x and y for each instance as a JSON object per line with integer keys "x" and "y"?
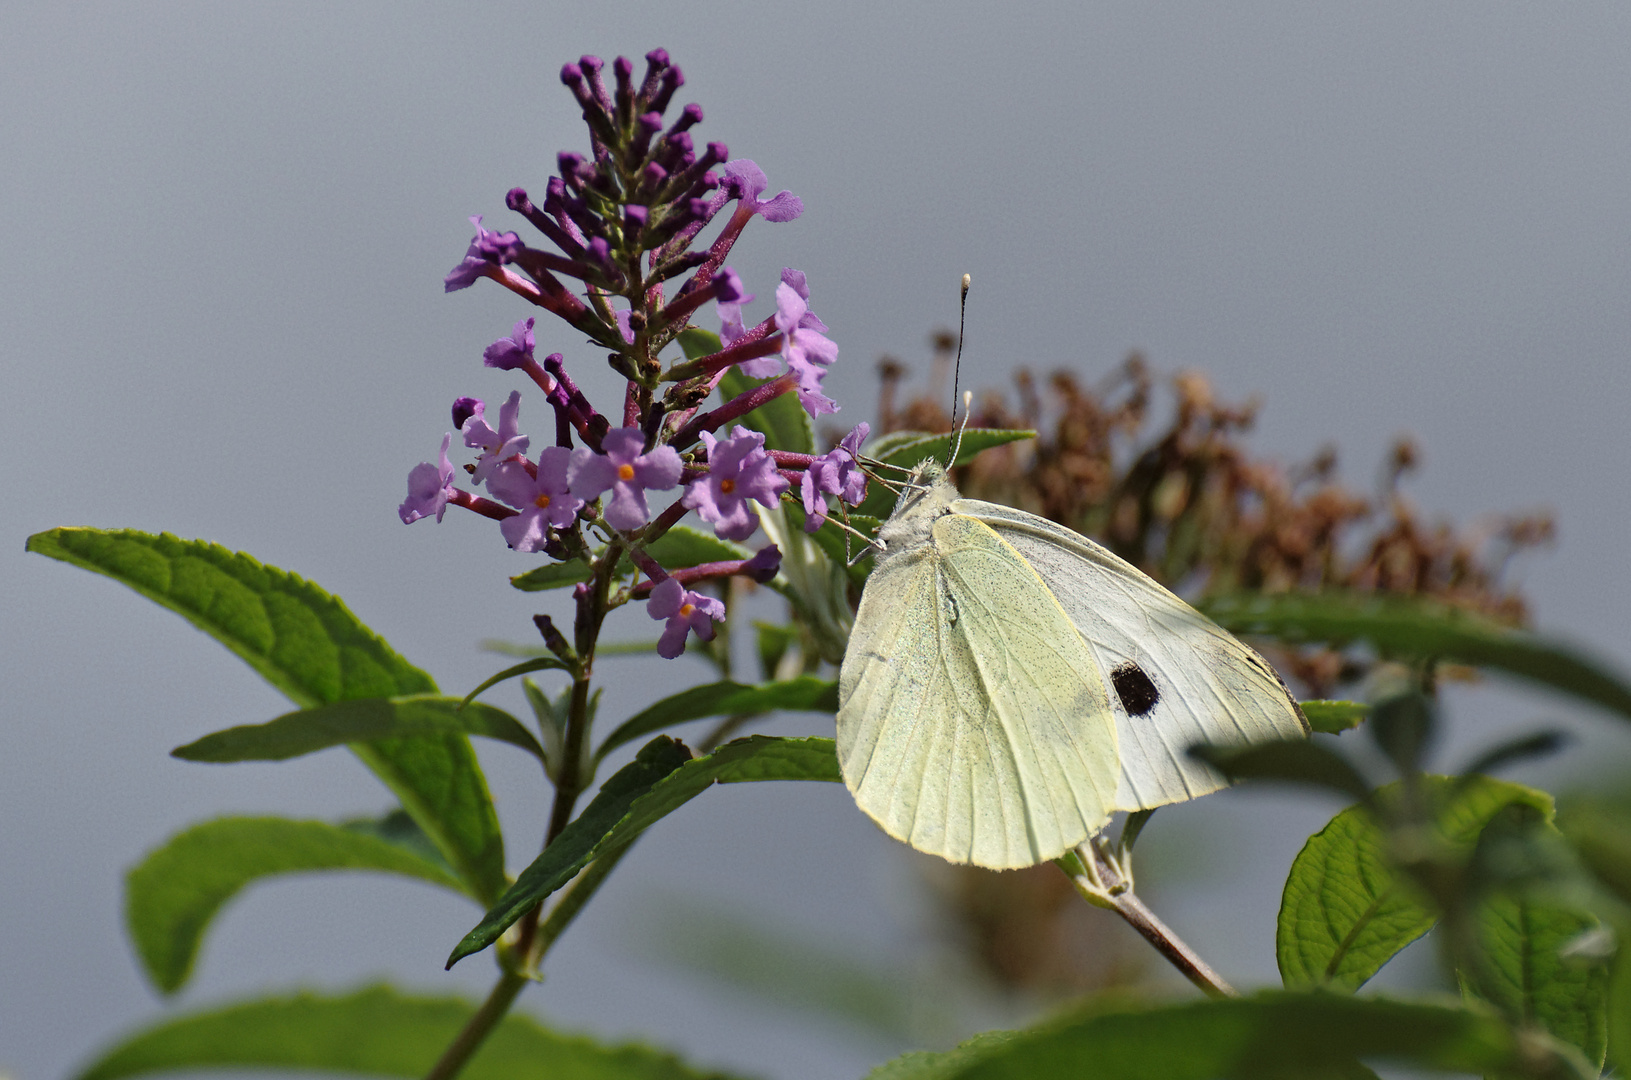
{"x": 1009, "y": 684}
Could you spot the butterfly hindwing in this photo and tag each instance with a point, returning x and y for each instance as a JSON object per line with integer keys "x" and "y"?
{"x": 975, "y": 724}
{"x": 1177, "y": 677}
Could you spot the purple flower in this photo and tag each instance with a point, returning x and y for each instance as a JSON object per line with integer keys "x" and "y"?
{"x": 496, "y": 446}
{"x": 804, "y": 346}
{"x": 511, "y": 352}
{"x": 745, "y": 180}
{"x": 738, "y": 470}
{"x": 834, "y": 473}
{"x": 627, "y": 472}
{"x": 487, "y": 249}
{"x": 685, "y": 611}
{"x": 731, "y": 327}
{"x": 544, "y": 500}
{"x": 429, "y": 488}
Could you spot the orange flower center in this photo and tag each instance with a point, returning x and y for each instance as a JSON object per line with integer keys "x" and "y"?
{"x": 727, "y": 486}
{"x": 625, "y": 472}
{"x": 541, "y": 502}
{"x": 686, "y": 609}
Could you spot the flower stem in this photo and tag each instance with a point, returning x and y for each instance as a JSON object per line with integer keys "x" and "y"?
{"x": 475, "y": 1032}
{"x": 1107, "y": 883}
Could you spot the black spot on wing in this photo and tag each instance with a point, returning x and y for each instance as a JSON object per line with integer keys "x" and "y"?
{"x": 1137, "y": 693}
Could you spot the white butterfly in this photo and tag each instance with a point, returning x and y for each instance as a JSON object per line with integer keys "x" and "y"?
{"x": 1009, "y": 684}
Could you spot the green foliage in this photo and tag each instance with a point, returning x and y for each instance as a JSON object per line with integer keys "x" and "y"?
{"x": 1528, "y": 973}
{"x": 679, "y": 546}
{"x": 173, "y": 894}
{"x": 661, "y": 779}
{"x": 1347, "y": 910}
{"x": 805, "y": 693}
{"x": 306, "y": 644}
{"x": 296, "y": 636}
{"x": 1334, "y": 717}
{"x": 1275, "y": 1035}
{"x": 781, "y": 420}
{"x": 375, "y": 1031}
{"x": 1425, "y": 629}
{"x": 905, "y": 449}
{"x": 310, "y": 730}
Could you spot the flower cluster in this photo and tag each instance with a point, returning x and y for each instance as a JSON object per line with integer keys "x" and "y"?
{"x": 621, "y": 224}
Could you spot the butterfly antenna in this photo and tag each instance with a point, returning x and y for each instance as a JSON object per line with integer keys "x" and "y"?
{"x": 957, "y": 372}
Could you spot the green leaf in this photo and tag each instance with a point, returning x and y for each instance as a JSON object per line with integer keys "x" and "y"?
{"x": 839, "y": 546}
{"x": 578, "y": 843}
{"x": 552, "y": 575}
{"x": 306, "y": 644}
{"x": 1274, "y": 1035}
{"x": 1527, "y": 974}
{"x": 806, "y": 693}
{"x": 1294, "y": 761}
{"x": 1600, "y": 833}
{"x": 297, "y": 637}
{"x": 172, "y": 895}
{"x": 659, "y": 781}
{"x": 1345, "y": 911}
{"x": 679, "y": 547}
{"x": 1334, "y": 717}
{"x": 781, "y": 420}
{"x": 375, "y": 1031}
{"x": 905, "y": 449}
{"x": 309, "y": 730}
{"x": 1414, "y": 627}
{"x": 697, "y": 342}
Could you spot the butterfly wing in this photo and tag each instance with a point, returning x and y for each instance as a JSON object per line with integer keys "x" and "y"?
{"x": 1177, "y": 677}
{"x": 973, "y": 721}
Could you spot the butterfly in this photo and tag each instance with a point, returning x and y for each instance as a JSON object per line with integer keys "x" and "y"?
{"x": 1009, "y": 684}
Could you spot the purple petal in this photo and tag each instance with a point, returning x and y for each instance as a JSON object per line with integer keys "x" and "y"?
{"x": 761, "y": 367}
{"x": 623, "y": 444}
{"x": 658, "y": 470}
{"x": 796, "y": 280}
{"x": 666, "y": 597}
{"x": 764, "y": 564}
{"x": 524, "y": 531}
{"x": 627, "y": 510}
{"x": 784, "y": 207}
{"x": 745, "y": 178}
{"x": 672, "y": 641}
{"x": 510, "y": 483}
{"x": 588, "y": 474}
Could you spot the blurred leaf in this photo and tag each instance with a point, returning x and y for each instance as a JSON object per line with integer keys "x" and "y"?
{"x": 679, "y": 547}
{"x": 697, "y": 342}
{"x": 1295, "y": 761}
{"x": 1334, "y": 717}
{"x": 805, "y": 693}
{"x": 306, "y": 644}
{"x": 1540, "y": 744}
{"x": 1407, "y": 626}
{"x": 1619, "y": 1004}
{"x": 781, "y": 420}
{"x": 778, "y": 966}
{"x": 1273, "y": 1035}
{"x": 172, "y": 895}
{"x": 376, "y": 1031}
{"x": 1403, "y": 726}
{"x": 310, "y": 730}
{"x": 905, "y": 449}
{"x": 659, "y": 781}
{"x": 1527, "y": 975}
{"x": 1345, "y": 911}
{"x": 839, "y": 546}
{"x": 773, "y": 641}
{"x": 399, "y": 828}
{"x": 1600, "y": 833}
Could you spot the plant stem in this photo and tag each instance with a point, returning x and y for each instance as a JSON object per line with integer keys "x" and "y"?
{"x": 492, "y": 1010}
{"x": 1106, "y": 883}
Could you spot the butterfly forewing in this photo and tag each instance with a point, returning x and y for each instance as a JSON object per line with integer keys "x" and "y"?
{"x": 975, "y": 723}
{"x": 1181, "y": 678}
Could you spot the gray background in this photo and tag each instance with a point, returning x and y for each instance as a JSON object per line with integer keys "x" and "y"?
{"x": 225, "y": 230}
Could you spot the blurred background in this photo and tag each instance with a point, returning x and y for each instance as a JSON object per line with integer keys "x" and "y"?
{"x": 225, "y": 231}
